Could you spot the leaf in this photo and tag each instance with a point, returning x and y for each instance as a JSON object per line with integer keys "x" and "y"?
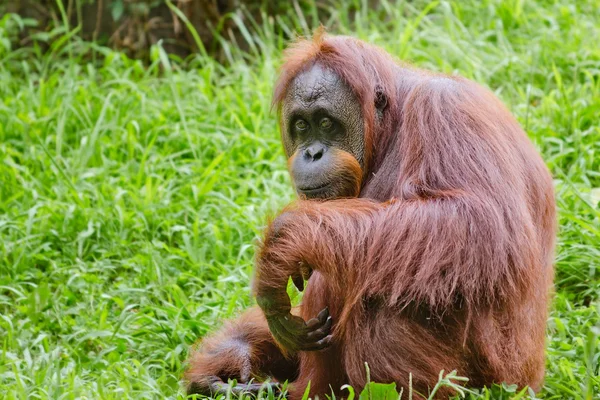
{"x": 595, "y": 197}
{"x": 306, "y": 392}
{"x": 379, "y": 391}
{"x": 350, "y": 390}
{"x": 117, "y": 9}
{"x": 512, "y": 388}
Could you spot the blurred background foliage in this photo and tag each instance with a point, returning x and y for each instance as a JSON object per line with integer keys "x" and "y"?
{"x": 133, "y": 26}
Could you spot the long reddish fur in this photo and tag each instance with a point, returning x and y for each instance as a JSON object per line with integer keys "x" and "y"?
{"x": 445, "y": 259}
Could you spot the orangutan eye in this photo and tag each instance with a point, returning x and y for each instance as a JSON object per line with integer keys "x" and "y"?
{"x": 326, "y": 123}
{"x": 301, "y": 125}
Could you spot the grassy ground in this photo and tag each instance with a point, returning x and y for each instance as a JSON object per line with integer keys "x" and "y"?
{"x": 130, "y": 197}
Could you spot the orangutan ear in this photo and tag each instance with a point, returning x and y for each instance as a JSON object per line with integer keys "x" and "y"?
{"x": 381, "y": 100}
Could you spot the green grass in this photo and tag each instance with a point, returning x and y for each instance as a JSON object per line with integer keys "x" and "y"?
{"x": 131, "y": 196}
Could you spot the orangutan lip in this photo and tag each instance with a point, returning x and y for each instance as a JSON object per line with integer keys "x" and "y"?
{"x": 314, "y": 189}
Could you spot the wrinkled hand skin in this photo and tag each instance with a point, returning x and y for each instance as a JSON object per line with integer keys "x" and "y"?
{"x": 291, "y": 332}
{"x": 294, "y": 334}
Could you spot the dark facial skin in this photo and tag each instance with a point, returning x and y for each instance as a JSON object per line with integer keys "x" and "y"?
{"x": 322, "y": 129}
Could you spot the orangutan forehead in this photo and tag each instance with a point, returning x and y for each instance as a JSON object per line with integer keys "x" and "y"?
{"x": 317, "y": 83}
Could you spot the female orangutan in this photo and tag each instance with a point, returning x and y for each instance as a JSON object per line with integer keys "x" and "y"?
{"x": 426, "y": 232}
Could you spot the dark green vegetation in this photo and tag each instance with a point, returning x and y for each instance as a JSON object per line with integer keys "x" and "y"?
{"x": 134, "y": 26}
{"x": 131, "y": 196}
